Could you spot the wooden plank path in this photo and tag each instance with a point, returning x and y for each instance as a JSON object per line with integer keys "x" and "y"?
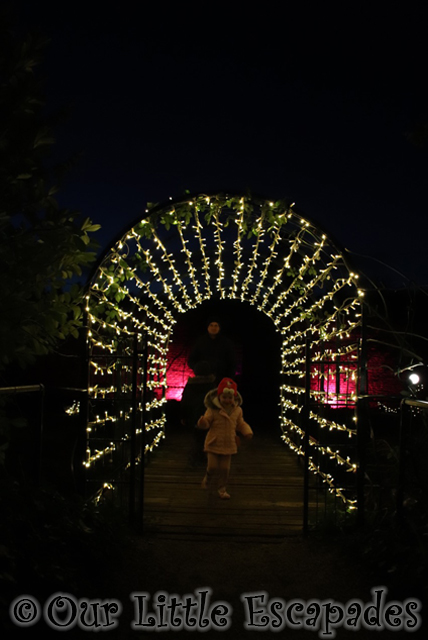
{"x": 266, "y": 487}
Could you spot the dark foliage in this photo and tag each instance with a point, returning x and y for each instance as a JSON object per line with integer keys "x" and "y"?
{"x": 53, "y": 543}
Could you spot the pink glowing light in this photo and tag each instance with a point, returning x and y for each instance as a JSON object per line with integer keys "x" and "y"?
{"x": 335, "y": 384}
{"x": 178, "y": 372}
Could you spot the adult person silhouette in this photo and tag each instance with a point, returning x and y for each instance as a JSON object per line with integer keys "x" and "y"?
{"x": 192, "y": 406}
{"x": 216, "y": 349}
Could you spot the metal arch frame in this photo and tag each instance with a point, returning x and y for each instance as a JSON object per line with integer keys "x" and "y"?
{"x": 157, "y": 211}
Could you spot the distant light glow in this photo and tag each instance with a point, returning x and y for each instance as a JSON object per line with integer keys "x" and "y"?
{"x": 414, "y": 378}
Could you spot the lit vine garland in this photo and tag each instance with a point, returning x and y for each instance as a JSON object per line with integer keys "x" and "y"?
{"x": 238, "y": 251}
{"x": 259, "y": 252}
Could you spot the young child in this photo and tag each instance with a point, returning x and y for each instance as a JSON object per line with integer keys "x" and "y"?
{"x": 223, "y": 418}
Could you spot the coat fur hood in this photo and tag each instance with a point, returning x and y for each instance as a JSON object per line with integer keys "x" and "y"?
{"x": 211, "y": 400}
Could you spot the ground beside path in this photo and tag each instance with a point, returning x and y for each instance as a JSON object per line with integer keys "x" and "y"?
{"x": 289, "y": 569}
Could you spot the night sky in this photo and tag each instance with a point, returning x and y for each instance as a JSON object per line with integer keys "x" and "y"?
{"x": 306, "y": 105}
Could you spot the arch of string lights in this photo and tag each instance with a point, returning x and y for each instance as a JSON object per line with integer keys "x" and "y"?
{"x": 230, "y": 247}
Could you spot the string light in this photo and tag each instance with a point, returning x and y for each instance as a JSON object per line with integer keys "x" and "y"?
{"x": 259, "y": 252}
{"x": 259, "y": 233}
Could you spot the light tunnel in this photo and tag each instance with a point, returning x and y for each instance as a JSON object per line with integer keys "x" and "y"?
{"x": 261, "y": 253}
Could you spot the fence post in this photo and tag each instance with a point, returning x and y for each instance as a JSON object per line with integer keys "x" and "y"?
{"x": 403, "y": 436}
{"x": 131, "y": 505}
{"x": 362, "y": 420}
{"x": 38, "y": 469}
{"x": 305, "y": 422}
{"x": 37, "y": 439}
{"x": 143, "y": 433}
{"x": 80, "y": 478}
{"x": 401, "y": 462}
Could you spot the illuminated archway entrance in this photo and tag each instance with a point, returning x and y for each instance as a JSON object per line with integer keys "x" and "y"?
{"x": 226, "y": 247}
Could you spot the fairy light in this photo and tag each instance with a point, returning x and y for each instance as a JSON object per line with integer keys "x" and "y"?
{"x": 291, "y": 272}
{"x": 205, "y": 261}
{"x": 309, "y": 286}
{"x": 331, "y": 425}
{"x": 159, "y": 278}
{"x": 333, "y": 455}
{"x": 169, "y": 260}
{"x": 272, "y": 254}
{"x": 277, "y": 280}
{"x": 238, "y": 251}
{"x": 73, "y": 409}
{"x": 327, "y": 478}
{"x": 189, "y": 263}
{"x": 307, "y": 260}
{"x": 153, "y": 298}
{"x": 259, "y": 231}
{"x": 219, "y": 249}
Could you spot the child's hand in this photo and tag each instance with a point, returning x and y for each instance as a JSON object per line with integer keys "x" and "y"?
{"x": 246, "y": 439}
{"x": 203, "y": 423}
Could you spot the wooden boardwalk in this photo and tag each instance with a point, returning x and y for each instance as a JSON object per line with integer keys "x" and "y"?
{"x": 266, "y": 487}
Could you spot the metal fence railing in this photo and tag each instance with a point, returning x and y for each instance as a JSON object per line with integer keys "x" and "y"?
{"x": 22, "y": 429}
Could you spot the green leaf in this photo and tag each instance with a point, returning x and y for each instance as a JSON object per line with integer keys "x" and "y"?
{"x": 77, "y": 312}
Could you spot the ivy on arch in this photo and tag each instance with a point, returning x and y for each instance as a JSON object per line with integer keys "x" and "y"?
{"x": 239, "y": 247}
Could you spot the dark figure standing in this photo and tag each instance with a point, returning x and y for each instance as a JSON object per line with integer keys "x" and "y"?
{"x": 216, "y": 349}
{"x": 192, "y": 406}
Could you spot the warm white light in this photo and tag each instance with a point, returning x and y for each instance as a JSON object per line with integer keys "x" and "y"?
{"x": 275, "y": 260}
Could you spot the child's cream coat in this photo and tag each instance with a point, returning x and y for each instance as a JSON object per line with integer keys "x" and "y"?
{"x": 221, "y": 437}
